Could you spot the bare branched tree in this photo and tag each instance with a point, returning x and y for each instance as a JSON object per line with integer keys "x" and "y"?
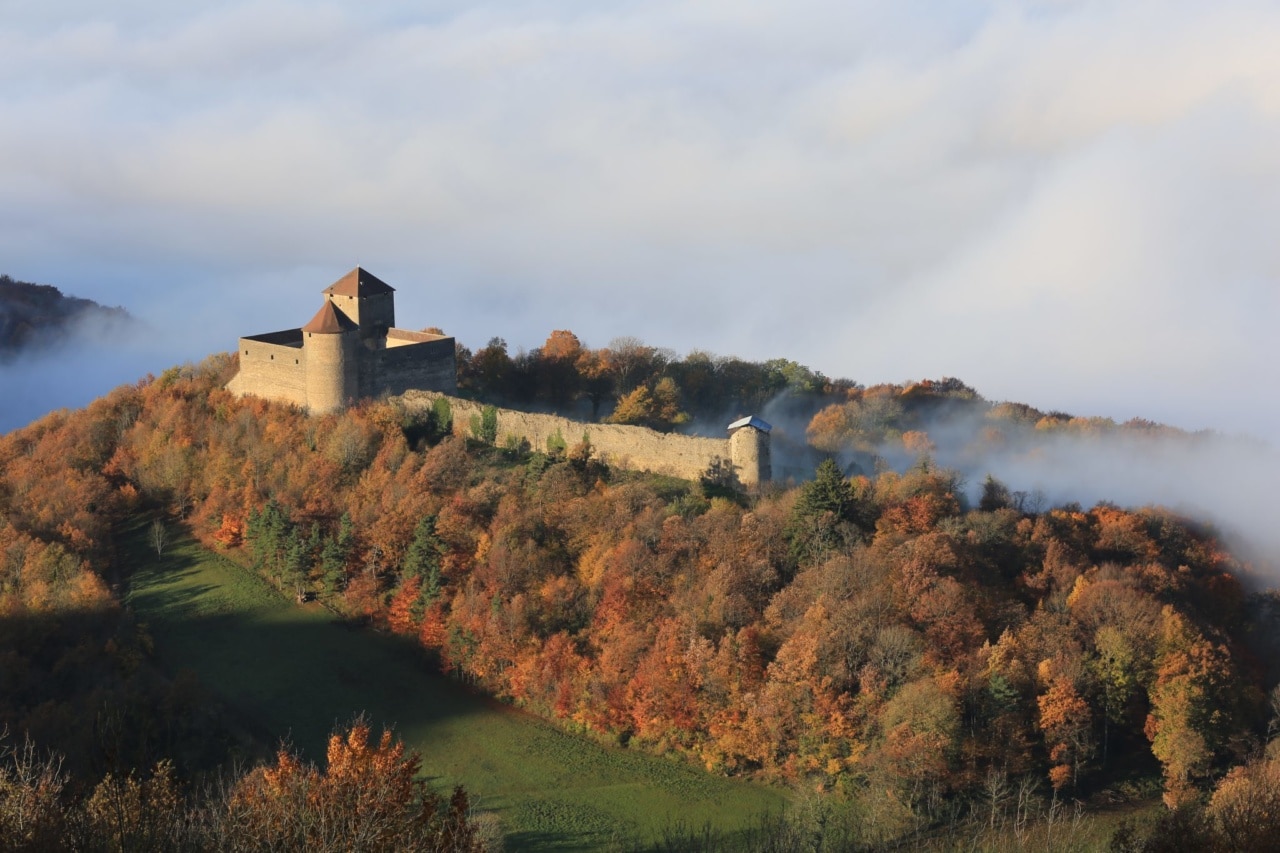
{"x": 159, "y": 536}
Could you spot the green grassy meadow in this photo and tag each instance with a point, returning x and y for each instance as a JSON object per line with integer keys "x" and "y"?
{"x": 294, "y": 672}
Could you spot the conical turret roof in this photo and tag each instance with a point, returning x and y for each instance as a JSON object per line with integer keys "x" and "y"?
{"x": 359, "y": 282}
{"x": 329, "y": 321}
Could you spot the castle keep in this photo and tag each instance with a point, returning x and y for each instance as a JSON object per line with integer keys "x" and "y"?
{"x": 349, "y": 350}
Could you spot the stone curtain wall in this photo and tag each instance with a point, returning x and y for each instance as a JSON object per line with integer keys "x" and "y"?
{"x": 637, "y": 448}
{"x": 271, "y": 370}
{"x": 412, "y": 364}
{"x": 276, "y": 365}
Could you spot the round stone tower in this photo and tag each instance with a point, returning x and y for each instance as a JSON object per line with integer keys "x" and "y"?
{"x": 331, "y": 343}
{"x": 749, "y": 450}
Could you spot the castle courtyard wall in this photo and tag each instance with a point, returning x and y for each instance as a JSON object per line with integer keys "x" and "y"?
{"x": 411, "y": 360}
{"x": 632, "y": 447}
{"x": 270, "y": 369}
{"x": 274, "y": 365}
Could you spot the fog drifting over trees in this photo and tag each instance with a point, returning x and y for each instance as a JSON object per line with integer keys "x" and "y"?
{"x": 1063, "y": 204}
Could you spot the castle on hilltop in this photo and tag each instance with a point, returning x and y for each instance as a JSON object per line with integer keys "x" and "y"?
{"x": 350, "y": 350}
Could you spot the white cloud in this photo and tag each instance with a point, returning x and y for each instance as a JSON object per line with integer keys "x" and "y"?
{"x": 1064, "y": 203}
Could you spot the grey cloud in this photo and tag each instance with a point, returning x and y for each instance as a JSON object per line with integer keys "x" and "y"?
{"x": 1061, "y": 203}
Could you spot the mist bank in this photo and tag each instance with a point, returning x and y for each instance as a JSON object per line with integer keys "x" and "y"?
{"x": 1224, "y": 481}
{"x": 71, "y": 375}
{"x": 62, "y": 351}
{"x": 1220, "y": 479}
{"x": 40, "y": 316}
{"x": 1074, "y": 198}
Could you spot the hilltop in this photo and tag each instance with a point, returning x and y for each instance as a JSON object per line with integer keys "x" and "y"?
{"x": 914, "y": 653}
{"x": 38, "y": 316}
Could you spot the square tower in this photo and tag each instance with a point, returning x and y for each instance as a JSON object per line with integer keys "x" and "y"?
{"x": 367, "y": 301}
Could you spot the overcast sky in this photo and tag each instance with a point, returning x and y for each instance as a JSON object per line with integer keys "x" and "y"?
{"x": 1074, "y": 205}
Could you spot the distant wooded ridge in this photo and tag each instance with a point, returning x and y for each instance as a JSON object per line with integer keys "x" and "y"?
{"x": 37, "y": 315}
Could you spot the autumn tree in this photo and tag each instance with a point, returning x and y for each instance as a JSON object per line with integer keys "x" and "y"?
{"x": 860, "y": 424}
{"x": 634, "y": 408}
{"x": 1065, "y": 719}
{"x": 1244, "y": 810}
{"x": 33, "y": 815}
{"x": 597, "y": 375}
{"x": 491, "y": 370}
{"x": 1188, "y": 708}
{"x": 366, "y": 798}
{"x": 142, "y": 813}
{"x": 556, "y": 363}
{"x": 1115, "y": 667}
{"x": 634, "y": 363}
{"x": 919, "y": 727}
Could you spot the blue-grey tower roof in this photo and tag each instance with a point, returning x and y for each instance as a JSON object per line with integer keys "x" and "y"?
{"x": 750, "y": 421}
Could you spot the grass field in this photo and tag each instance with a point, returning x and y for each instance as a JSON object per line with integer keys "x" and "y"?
{"x": 294, "y": 672}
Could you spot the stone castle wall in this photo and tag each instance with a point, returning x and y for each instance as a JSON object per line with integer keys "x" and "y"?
{"x": 407, "y": 363}
{"x": 637, "y": 448}
{"x": 274, "y": 368}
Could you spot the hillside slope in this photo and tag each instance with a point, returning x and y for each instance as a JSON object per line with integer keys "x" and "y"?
{"x": 877, "y": 639}
{"x": 36, "y": 316}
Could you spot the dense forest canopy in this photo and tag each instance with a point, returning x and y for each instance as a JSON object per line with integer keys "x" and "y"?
{"x": 1046, "y": 457}
{"x": 874, "y": 633}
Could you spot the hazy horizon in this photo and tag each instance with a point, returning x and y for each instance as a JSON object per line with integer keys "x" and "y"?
{"x": 1062, "y": 204}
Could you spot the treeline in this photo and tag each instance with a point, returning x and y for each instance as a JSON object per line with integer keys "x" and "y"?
{"x": 629, "y": 382}
{"x": 873, "y": 638}
{"x": 365, "y": 798}
{"x": 868, "y": 428}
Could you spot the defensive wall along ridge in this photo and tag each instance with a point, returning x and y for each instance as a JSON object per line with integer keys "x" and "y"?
{"x": 637, "y": 448}
{"x": 351, "y": 350}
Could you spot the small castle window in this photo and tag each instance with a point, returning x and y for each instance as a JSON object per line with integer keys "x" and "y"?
{"x": 273, "y": 356}
{"x": 295, "y": 361}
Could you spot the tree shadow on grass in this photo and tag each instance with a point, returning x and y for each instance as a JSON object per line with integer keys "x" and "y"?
{"x": 295, "y": 674}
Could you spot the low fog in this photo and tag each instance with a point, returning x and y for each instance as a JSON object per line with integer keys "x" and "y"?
{"x": 1226, "y": 481}
{"x": 1223, "y": 480}
{"x": 74, "y": 364}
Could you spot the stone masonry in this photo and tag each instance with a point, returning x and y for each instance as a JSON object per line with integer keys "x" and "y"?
{"x": 637, "y": 448}
{"x": 350, "y": 350}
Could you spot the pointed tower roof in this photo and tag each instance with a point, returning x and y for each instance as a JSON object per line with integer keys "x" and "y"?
{"x": 358, "y": 282}
{"x": 329, "y": 321}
